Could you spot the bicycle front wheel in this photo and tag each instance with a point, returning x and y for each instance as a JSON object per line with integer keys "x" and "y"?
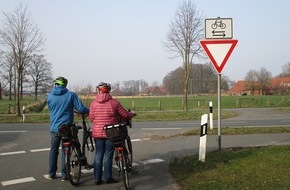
{"x": 73, "y": 166}
{"x": 129, "y": 150}
{"x": 90, "y": 153}
{"x": 124, "y": 169}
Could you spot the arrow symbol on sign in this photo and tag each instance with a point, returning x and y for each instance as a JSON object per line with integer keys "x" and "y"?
{"x": 216, "y": 33}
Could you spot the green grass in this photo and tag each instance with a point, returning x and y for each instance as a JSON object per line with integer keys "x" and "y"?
{"x": 174, "y": 103}
{"x": 242, "y": 130}
{"x": 194, "y": 102}
{"x": 256, "y": 168}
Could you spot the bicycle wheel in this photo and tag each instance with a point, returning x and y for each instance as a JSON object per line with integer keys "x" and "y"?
{"x": 117, "y": 160}
{"x": 124, "y": 169}
{"x": 90, "y": 152}
{"x": 73, "y": 166}
{"x": 129, "y": 150}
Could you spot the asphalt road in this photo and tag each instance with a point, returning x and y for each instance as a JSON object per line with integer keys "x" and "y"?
{"x": 24, "y": 151}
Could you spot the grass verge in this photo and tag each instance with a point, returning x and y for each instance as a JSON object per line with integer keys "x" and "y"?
{"x": 235, "y": 168}
{"x": 142, "y": 116}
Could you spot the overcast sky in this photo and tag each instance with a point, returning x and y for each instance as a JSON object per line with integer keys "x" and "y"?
{"x": 118, "y": 40}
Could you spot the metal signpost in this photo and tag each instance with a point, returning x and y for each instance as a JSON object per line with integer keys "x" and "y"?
{"x": 218, "y": 46}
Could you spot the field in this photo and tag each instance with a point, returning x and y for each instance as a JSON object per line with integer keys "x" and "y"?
{"x": 154, "y": 108}
{"x": 153, "y": 103}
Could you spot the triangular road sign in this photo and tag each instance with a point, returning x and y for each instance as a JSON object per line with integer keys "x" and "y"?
{"x": 218, "y": 51}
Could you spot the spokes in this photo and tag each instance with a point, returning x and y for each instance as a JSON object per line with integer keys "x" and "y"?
{"x": 74, "y": 170}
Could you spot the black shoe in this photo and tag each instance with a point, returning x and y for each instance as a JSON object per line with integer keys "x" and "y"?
{"x": 98, "y": 182}
{"x": 112, "y": 181}
{"x": 65, "y": 178}
{"x": 52, "y": 176}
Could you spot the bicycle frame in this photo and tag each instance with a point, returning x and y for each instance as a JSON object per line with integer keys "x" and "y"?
{"x": 75, "y": 152}
{"x": 122, "y": 161}
{"x": 118, "y": 134}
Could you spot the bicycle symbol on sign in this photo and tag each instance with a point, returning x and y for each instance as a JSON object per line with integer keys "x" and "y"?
{"x": 218, "y": 23}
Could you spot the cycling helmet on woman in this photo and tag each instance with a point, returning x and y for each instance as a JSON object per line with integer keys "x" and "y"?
{"x": 60, "y": 81}
{"x": 104, "y": 87}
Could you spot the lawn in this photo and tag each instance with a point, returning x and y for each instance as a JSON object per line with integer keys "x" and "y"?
{"x": 257, "y": 168}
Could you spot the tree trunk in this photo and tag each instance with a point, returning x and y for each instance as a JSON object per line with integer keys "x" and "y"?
{"x": 1, "y": 92}
{"x": 35, "y": 91}
{"x": 17, "y": 109}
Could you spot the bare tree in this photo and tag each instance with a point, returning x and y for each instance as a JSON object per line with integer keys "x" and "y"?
{"x": 8, "y": 71}
{"x": 40, "y": 71}
{"x": 1, "y": 92}
{"x": 251, "y": 80}
{"x": 173, "y": 81}
{"x": 21, "y": 36}
{"x": 258, "y": 79}
{"x": 185, "y": 32}
{"x": 202, "y": 80}
{"x": 285, "y": 71}
{"x": 263, "y": 79}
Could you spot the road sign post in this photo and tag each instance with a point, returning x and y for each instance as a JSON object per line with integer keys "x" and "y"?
{"x": 218, "y": 46}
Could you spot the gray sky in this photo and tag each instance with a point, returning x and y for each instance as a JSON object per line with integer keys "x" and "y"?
{"x": 117, "y": 40}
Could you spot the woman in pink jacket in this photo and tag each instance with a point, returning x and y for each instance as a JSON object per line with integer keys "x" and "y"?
{"x": 105, "y": 110}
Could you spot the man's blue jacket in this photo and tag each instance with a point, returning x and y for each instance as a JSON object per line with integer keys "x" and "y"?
{"x": 61, "y": 104}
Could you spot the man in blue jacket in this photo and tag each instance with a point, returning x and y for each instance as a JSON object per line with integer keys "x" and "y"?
{"x": 61, "y": 104}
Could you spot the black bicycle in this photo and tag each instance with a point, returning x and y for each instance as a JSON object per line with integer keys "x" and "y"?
{"x": 118, "y": 134}
{"x": 77, "y": 155}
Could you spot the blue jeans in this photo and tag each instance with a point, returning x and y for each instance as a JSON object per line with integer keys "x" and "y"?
{"x": 104, "y": 153}
{"x": 53, "y": 155}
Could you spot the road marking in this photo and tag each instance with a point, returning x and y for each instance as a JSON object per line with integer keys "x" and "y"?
{"x": 13, "y": 131}
{"x": 16, "y": 181}
{"x": 152, "y": 161}
{"x": 40, "y": 150}
{"x": 47, "y": 149}
{"x": 148, "y": 129}
{"x": 136, "y": 140}
{"x": 58, "y": 175}
{"x": 11, "y": 153}
{"x": 180, "y": 123}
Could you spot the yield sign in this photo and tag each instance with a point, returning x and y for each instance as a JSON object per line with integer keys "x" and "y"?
{"x": 218, "y": 51}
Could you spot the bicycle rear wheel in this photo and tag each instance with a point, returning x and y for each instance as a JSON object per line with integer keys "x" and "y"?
{"x": 124, "y": 169}
{"x": 73, "y": 166}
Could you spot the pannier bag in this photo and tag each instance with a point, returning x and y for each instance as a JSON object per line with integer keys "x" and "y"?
{"x": 116, "y": 133}
{"x": 67, "y": 131}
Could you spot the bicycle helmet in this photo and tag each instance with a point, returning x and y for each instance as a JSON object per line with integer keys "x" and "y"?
{"x": 60, "y": 81}
{"x": 104, "y": 87}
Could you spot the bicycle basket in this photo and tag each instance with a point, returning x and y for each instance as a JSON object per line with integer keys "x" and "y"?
{"x": 116, "y": 133}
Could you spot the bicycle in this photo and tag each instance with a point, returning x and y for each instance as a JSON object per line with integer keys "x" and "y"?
{"x": 118, "y": 134}
{"x": 75, "y": 152}
{"x": 218, "y": 23}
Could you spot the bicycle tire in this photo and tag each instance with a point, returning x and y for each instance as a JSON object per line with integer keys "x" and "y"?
{"x": 90, "y": 152}
{"x": 124, "y": 169}
{"x": 128, "y": 146}
{"x": 73, "y": 166}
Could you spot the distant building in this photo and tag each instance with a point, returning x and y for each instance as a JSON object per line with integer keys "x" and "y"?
{"x": 278, "y": 86}
{"x": 154, "y": 91}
